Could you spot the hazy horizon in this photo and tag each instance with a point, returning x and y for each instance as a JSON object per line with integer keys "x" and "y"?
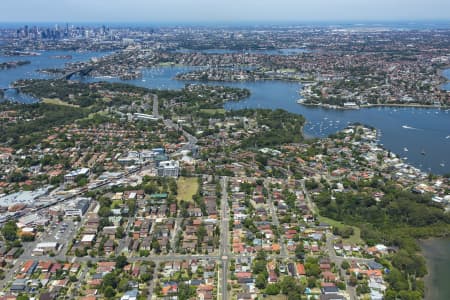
{"x": 221, "y": 12}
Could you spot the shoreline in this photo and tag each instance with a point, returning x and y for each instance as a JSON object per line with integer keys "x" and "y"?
{"x": 328, "y": 106}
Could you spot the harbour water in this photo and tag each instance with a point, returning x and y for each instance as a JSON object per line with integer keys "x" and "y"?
{"x": 425, "y": 132}
{"x": 44, "y": 60}
{"x": 446, "y": 73}
{"x": 436, "y": 252}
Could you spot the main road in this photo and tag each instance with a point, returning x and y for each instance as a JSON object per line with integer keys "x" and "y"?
{"x": 275, "y": 220}
{"x": 224, "y": 239}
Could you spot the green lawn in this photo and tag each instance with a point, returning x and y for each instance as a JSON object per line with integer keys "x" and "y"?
{"x": 212, "y": 111}
{"x": 354, "y": 239}
{"x": 187, "y": 187}
{"x": 57, "y": 101}
{"x": 276, "y": 297}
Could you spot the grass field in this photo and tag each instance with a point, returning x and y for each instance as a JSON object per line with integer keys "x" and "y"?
{"x": 57, "y": 101}
{"x": 277, "y": 297}
{"x": 354, "y": 239}
{"x": 213, "y": 111}
{"x": 187, "y": 187}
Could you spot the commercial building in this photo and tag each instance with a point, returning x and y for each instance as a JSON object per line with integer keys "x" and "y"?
{"x": 71, "y": 177}
{"x": 44, "y": 248}
{"x": 78, "y": 207}
{"x": 169, "y": 168}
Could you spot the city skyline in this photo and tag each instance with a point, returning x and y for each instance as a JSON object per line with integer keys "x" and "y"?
{"x": 204, "y": 11}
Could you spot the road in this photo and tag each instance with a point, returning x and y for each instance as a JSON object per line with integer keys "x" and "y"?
{"x": 351, "y": 290}
{"x": 224, "y": 238}
{"x": 191, "y": 140}
{"x": 311, "y": 206}
{"x": 124, "y": 242}
{"x": 275, "y": 219}
{"x": 337, "y": 260}
{"x": 153, "y": 281}
{"x": 155, "y": 106}
{"x": 173, "y": 238}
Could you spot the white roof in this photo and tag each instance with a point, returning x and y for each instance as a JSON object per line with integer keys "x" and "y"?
{"x": 381, "y": 247}
{"x": 88, "y": 238}
{"x": 47, "y": 245}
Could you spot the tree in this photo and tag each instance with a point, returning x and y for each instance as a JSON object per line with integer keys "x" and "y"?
{"x": 27, "y": 237}
{"x": 109, "y": 292}
{"x": 156, "y": 246}
{"x": 362, "y": 288}
{"x": 120, "y": 232}
{"x": 312, "y": 282}
{"x": 146, "y": 277}
{"x": 109, "y": 280}
{"x": 81, "y": 180}
{"x": 9, "y": 231}
{"x": 261, "y": 281}
{"x": 104, "y": 212}
{"x": 396, "y": 280}
{"x": 410, "y": 263}
{"x": 123, "y": 285}
{"x": 341, "y": 285}
{"x": 273, "y": 289}
{"x": 312, "y": 269}
{"x": 261, "y": 255}
{"x": 259, "y": 266}
{"x": 121, "y": 261}
{"x": 353, "y": 280}
{"x": 185, "y": 291}
{"x": 287, "y": 284}
{"x": 345, "y": 265}
{"x": 299, "y": 251}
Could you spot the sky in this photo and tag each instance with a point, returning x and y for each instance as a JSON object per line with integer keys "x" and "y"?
{"x": 222, "y": 11}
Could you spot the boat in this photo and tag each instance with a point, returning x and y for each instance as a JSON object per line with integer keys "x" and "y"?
{"x": 442, "y": 164}
{"x": 423, "y": 152}
{"x": 405, "y": 149}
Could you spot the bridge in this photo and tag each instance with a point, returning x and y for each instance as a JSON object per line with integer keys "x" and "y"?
{"x": 67, "y": 76}
{"x": 12, "y": 88}
{"x": 82, "y": 72}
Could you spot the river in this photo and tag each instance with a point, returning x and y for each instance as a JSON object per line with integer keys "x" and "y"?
{"x": 408, "y": 132}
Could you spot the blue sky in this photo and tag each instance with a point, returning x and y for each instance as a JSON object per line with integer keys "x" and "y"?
{"x": 221, "y": 10}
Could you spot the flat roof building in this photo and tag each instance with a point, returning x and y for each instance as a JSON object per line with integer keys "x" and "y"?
{"x": 78, "y": 207}
{"x": 70, "y": 177}
{"x": 169, "y": 168}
